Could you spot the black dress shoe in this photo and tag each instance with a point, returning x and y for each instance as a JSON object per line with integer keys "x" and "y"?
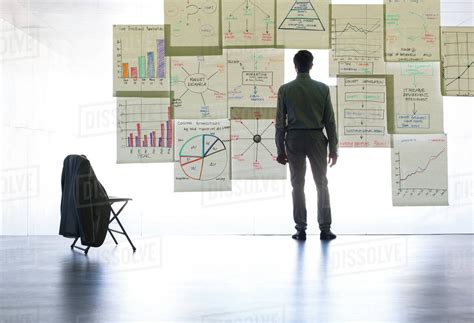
{"x": 327, "y": 235}
{"x": 299, "y": 235}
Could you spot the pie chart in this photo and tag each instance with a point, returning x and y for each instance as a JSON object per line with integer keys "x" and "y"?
{"x": 203, "y": 157}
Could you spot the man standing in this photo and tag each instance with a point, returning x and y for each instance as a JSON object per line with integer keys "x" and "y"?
{"x": 304, "y": 110}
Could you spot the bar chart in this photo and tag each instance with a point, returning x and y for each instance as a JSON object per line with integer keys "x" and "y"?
{"x": 140, "y": 64}
{"x": 145, "y": 130}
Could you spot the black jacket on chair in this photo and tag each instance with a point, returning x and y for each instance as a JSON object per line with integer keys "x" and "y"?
{"x": 85, "y": 207}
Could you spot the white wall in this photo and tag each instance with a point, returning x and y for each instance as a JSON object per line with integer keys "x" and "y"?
{"x": 56, "y": 99}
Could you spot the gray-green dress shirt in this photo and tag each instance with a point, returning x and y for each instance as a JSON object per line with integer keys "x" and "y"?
{"x": 305, "y": 104}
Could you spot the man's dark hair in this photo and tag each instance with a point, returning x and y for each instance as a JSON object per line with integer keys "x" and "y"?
{"x": 303, "y": 61}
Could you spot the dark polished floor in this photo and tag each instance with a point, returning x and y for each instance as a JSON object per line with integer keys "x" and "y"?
{"x": 239, "y": 279}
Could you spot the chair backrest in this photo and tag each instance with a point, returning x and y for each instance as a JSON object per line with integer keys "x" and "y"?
{"x": 85, "y": 206}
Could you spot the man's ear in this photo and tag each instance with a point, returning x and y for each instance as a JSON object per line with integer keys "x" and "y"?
{"x": 311, "y": 66}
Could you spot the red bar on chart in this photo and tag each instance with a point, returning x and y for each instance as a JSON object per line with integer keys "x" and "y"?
{"x": 162, "y": 134}
{"x": 125, "y": 70}
{"x": 134, "y": 72}
{"x": 145, "y": 141}
{"x": 169, "y": 134}
{"x": 154, "y": 139}
{"x": 130, "y": 140}
{"x": 139, "y": 135}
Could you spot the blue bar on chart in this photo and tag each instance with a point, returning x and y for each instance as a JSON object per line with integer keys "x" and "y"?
{"x": 151, "y": 64}
{"x": 161, "y": 70}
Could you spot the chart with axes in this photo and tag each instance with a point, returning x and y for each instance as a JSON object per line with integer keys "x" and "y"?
{"x": 248, "y": 23}
{"x": 362, "y": 105}
{"x": 357, "y": 40}
{"x": 199, "y": 85}
{"x": 253, "y": 144}
{"x": 457, "y": 57}
{"x": 419, "y": 170}
{"x": 254, "y": 77}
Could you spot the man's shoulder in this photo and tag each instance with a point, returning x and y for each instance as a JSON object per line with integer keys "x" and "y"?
{"x": 320, "y": 84}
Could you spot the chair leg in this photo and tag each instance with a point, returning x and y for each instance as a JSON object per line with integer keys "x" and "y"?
{"x": 74, "y": 243}
{"x": 113, "y": 237}
{"x": 86, "y": 250}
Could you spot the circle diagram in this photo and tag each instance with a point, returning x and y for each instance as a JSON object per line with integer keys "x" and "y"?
{"x": 203, "y": 157}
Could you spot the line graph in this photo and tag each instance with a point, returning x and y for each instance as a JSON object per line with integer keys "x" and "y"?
{"x": 350, "y": 27}
{"x": 457, "y": 51}
{"x": 419, "y": 170}
{"x": 357, "y": 40}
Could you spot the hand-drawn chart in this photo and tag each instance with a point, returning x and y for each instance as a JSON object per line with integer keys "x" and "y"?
{"x": 357, "y": 40}
{"x": 248, "y": 23}
{"x": 419, "y": 170}
{"x": 418, "y": 104}
{"x": 303, "y": 24}
{"x": 203, "y": 156}
{"x": 140, "y": 65}
{"x": 254, "y": 77}
{"x": 362, "y": 104}
{"x": 194, "y": 27}
{"x": 253, "y": 144}
{"x": 411, "y": 30}
{"x": 199, "y": 85}
{"x": 144, "y": 130}
{"x": 457, "y": 59}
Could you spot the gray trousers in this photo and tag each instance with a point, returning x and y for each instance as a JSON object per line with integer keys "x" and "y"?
{"x": 302, "y": 144}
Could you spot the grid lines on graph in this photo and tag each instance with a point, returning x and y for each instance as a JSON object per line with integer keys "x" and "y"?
{"x": 458, "y": 63}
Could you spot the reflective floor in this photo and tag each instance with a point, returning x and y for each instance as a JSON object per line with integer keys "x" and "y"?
{"x": 239, "y": 279}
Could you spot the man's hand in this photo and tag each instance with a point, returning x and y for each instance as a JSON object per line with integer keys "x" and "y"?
{"x": 332, "y": 161}
{"x": 282, "y": 159}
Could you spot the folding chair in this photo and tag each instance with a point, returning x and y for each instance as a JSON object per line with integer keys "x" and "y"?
{"x": 112, "y": 200}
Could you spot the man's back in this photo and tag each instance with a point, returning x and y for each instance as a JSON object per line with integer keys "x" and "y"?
{"x": 305, "y": 104}
{"x": 305, "y": 101}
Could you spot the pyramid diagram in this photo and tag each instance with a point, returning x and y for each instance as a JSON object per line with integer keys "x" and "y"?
{"x": 302, "y": 16}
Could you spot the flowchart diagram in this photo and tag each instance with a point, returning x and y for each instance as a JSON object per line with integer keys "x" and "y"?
{"x": 254, "y": 77}
{"x": 248, "y": 23}
{"x": 418, "y": 104}
{"x": 362, "y": 115}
